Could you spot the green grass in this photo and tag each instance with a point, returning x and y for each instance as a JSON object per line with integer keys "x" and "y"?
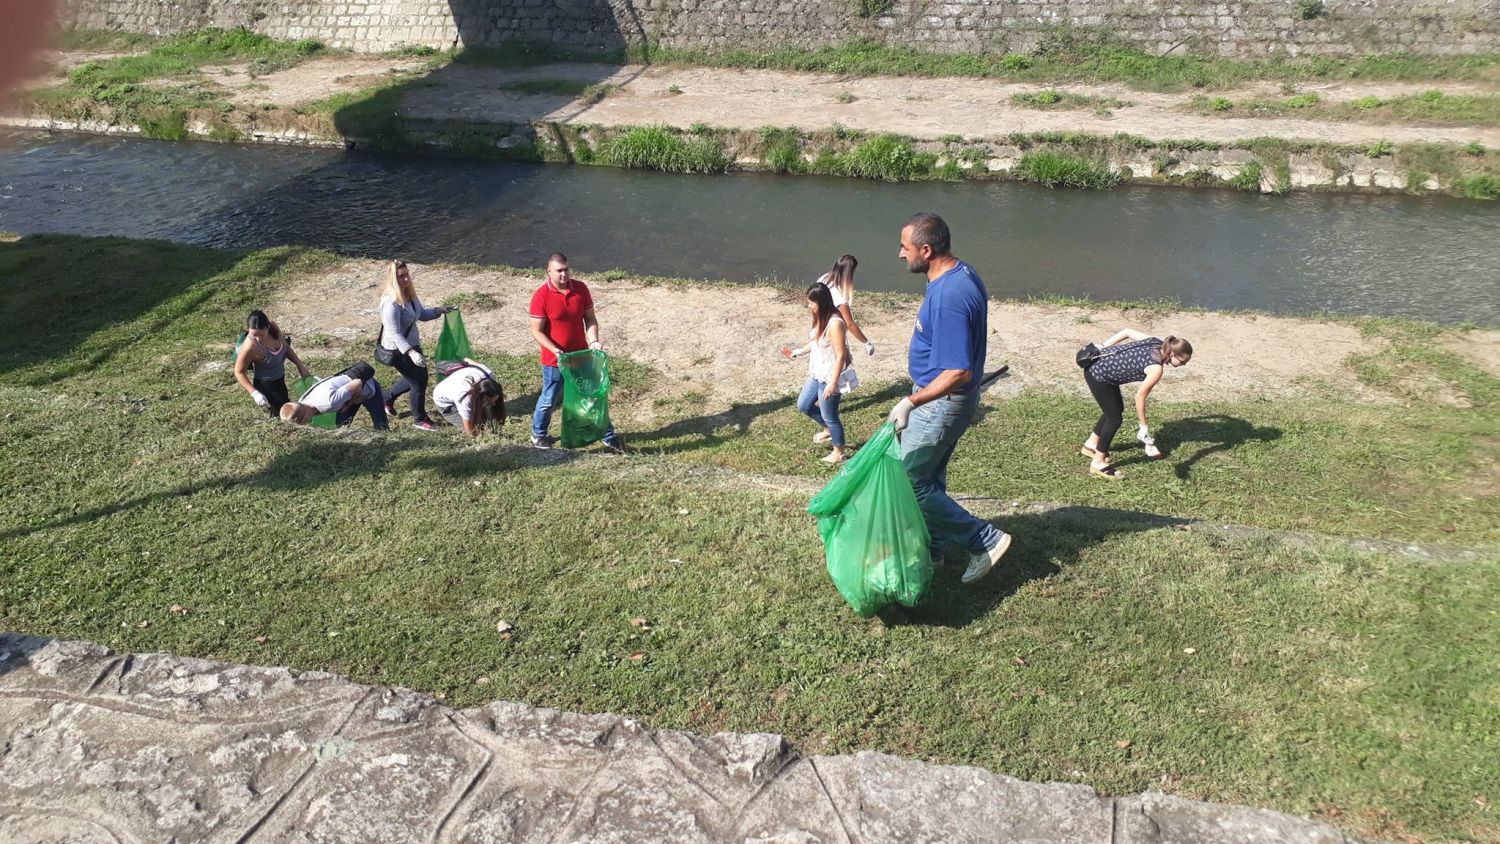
{"x": 1064, "y": 100}
{"x": 661, "y": 148}
{"x": 1355, "y": 687}
{"x": 588, "y": 92}
{"x": 1059, "y": 169}
{"x": 1434, "y": 107}
{"x": 117, "y": 89}
{"x": 1079, "y": 57}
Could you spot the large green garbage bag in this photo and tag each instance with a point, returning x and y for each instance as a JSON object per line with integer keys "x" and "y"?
{"x": 873, "y": 531}
{"x": 453, "y": 343}
{"x": 300, "y": 387}
{"x": 585, "y": 410}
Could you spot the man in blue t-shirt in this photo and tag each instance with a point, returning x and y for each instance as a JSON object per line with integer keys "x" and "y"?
{"x": 945, "y": 362}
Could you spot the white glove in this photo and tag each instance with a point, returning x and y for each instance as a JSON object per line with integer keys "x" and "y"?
{"x": 596, "y": 345}
{"x": 416, "y": 357}
{"x": 1143, "y": 434}
{"x": 870, "y": 348}
{"x": 260, "y": 398}
{"x": 901, "y": 413}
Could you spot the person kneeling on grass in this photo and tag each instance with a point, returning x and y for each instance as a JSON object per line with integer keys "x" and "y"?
{"x": 343, "y": 393}
{"x": 265, "y": 352}
{"x": 1144, "y": 358}
{"x": 829, "y": 373}
{"x": 469, "y": 398}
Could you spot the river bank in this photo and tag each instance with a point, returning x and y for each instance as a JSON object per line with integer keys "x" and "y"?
{"x": 1417, "y": 137}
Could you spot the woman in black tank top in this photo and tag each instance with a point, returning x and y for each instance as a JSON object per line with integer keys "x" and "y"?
{"x": 1125, "y": 358}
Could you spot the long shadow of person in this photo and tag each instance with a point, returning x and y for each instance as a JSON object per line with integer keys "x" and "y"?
{"x": 1044, "y": 544}
{"x": 324, "y": 458}
{"x": 1218, "y": 431}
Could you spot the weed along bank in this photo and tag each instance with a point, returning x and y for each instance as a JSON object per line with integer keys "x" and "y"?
{"x": 1073, "y": 109}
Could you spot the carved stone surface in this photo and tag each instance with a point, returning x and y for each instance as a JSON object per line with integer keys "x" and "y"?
{"x": 96, "y": 747}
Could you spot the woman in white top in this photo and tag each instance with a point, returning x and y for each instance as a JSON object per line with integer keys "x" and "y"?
{"x": 840, "y": 283}
{"x": 829, "y": 372}
{"x": 400, "y": 310}
{"x": 469, "y": 397}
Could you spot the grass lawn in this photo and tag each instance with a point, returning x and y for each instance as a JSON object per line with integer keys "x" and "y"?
{"x": 1361, "y": 688}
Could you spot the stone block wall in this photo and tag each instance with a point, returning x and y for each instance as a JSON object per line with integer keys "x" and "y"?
{"x": 1239, "y": 28}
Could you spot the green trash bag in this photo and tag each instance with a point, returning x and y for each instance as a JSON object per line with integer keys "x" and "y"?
{"x": 300, "y": 388}
{"x": 453, "y": 343}
{"x": 873, "y": 531}
{"x": 585, "y": 410}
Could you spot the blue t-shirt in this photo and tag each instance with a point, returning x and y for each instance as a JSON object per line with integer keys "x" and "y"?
{"x": 952, "y": 326}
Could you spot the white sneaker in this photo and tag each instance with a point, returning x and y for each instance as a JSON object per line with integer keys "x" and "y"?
{"x": 980, "y": 564}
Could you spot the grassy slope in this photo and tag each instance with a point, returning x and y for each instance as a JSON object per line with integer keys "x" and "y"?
{"x": 1356, "y": 686}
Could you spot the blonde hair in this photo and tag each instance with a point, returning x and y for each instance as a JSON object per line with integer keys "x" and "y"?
{"x": 842, "y": 276}
{"x": 392, "y": 288}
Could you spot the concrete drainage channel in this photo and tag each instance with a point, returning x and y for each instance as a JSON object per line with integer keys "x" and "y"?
{"x": 101, "y": 747}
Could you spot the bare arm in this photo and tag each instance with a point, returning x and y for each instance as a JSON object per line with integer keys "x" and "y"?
{"x": 590, "y": 326}
{"x": 1153, "y": 375}
{"x": 853, "y": 326}
{"x": 241, "y": 364}
{"x": 840, "y": 358}
{"x": 539, "y": 333}
{"x": 291, "y": 355}
{"x": 1124, "y": 334}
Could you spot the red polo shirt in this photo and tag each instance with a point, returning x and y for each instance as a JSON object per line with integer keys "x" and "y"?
{"x": 563, "y": 312}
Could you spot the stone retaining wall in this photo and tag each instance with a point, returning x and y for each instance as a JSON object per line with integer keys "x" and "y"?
{"x": 1244, "y": 28}
{"x": 151, "y": 747}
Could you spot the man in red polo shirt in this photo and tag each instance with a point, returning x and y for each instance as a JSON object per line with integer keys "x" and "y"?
{"x": 562, "y": 320}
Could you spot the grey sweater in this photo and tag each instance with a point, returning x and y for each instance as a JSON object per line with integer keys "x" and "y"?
{"x": 393, "y": 317}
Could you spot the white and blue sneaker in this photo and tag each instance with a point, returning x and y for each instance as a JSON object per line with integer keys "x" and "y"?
{"x": 981, "y": 564}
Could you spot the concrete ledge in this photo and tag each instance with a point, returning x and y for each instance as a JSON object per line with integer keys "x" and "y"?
{"x": 98, "y": 747}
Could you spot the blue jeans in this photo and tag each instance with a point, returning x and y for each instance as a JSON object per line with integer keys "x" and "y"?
{"x": 375, "y": 404}
{"x": 927, "y": 445}
{"x": 824, "y": 411}
{"x": 549, "y": 399}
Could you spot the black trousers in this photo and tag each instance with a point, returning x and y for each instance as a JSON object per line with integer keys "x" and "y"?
{"x": 413, "y": 380}
{"x": 274, "y": 389}
{"x": 1112, "y": 403}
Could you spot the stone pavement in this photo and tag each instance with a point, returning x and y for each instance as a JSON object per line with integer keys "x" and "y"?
{"x": 96, "y": 747}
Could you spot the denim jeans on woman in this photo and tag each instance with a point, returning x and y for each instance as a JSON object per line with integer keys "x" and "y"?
{"x": 548, "y": 400}
{"x": 927, "y": 445}
{"x": 824, "y": 411}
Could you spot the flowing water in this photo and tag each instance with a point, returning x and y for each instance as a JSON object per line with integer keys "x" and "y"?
{"x": 1430, "y": 257}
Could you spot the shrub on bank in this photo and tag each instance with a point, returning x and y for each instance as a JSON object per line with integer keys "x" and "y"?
{"x": 659, "y": 148}
{"x": 1056, "y": 169}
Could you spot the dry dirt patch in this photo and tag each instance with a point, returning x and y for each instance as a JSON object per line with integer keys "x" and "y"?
{"x": 313, "y": 79}
{"x": 721, "y": 342}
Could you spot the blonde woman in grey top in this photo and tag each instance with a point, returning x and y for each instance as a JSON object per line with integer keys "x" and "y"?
{"x": 400, "y": 311}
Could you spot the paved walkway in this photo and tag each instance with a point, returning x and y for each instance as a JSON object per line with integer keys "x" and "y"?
{"x": 96, "y": 747}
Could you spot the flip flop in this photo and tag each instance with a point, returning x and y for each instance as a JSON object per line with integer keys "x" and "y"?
{"x": 822, "y": 437}
{"x": 1087, "y": 452}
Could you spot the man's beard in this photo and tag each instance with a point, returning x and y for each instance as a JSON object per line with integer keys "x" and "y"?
{"x": 920, "y": 265}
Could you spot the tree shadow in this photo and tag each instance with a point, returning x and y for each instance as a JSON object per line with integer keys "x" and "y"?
{"x": 99, "y": 284}
{"x": 323, "y": 459}
{"x": 1221, "y": 432}
{"x": 1042, "y": 545}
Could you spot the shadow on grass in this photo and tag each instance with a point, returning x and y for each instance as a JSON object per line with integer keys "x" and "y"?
{"x": 64, "y": 291}
{"x": 313, "y": 466}
{"x": 1042, "y": 545}
{"x": 1221, "y": 433}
